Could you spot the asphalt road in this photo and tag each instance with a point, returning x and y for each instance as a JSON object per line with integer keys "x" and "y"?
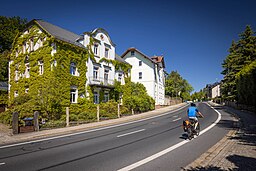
{"x": 152, "y": 144}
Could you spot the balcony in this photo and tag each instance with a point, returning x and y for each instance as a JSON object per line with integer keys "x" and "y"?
{"x": 100, "y": 81}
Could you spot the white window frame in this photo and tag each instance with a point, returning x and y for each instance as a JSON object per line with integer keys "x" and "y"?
{"x": 73, "y": 69}
{"x": 16, "y": 75}
{"x": 73, "y": 95}
{"x": 41, "y": 67}
{"x": 96, "y": 97}
{"x": 119, "y": 78}
{"x": 96, "y": 73}
{"x": 53, "y": 64}
{"x": 16, "y": 94}
{"x": 140, "y": 75}
{"x": 106, "y": 52}
{"x": 32, "y": 44}
{"x": 106, "y": 96}
{"x": 96, "y": 49}
{"x": 106, "y": 75}
{"x": 27, "y": 75}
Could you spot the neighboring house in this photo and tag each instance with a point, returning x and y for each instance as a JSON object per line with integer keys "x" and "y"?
{"x": 53, "y": 64}
{"x": 216, "y": 90}
{"x": 149, "y": 72}
{"x": 212, "y": 90}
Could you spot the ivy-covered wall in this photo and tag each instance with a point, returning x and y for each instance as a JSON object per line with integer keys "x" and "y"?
{"x": 49, "y": 92}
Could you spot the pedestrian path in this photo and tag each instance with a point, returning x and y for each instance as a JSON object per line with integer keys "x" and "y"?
{"x": 236, "y": 151}
{"x": 8, "y": 138}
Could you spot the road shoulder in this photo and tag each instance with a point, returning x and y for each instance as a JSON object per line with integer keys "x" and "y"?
{"x": 235, "y": 151}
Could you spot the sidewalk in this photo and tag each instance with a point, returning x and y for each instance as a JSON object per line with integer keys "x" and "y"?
{"x": 236, "y": 151}
{"x": 6, "y": 136}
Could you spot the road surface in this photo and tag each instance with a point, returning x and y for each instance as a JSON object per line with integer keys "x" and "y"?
{"x": 157, "y": 143}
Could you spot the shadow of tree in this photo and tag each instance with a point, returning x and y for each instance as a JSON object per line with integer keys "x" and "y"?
{"x": 207, "y": 168}
{"x": 242, "y": 162}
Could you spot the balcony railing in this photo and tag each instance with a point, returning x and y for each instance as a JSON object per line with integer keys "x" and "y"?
{"x": 100, "y": 81}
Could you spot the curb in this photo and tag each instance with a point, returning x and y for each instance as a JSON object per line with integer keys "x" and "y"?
{"x": 84, "y": 127}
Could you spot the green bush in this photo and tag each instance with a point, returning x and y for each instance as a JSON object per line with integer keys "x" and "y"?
{"x": 108, "y": 109}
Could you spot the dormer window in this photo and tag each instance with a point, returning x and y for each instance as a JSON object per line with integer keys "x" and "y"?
{"x": 132, "y": 53}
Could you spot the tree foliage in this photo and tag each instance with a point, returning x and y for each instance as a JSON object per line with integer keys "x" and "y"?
{"x": 238, "y": 67}
{"x": 9, "y": 28}
{"x": 176, "y": 86}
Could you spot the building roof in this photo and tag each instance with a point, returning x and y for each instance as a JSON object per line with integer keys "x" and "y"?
{"x": 158, "y": 59}
{"x": 58, "y": 32}
{"x": 134, "y": 49}
{"x": 154, "y": 59}
{"x": 118, "y": 58}
{"x": 97, "y": 30}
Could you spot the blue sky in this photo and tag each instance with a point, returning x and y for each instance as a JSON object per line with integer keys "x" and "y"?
{"x": 192, "y": 35}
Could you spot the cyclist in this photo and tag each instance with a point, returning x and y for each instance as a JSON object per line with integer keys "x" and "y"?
{"x": 192, "y": 114}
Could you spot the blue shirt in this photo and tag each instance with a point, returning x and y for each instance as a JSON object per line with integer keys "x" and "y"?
{"x": 192, "y": 111}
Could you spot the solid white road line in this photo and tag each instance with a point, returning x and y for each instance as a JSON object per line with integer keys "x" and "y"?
{"x": 161, "y": 153}
{"x": 176, "y": 119}
{"x": 93, "y": 130}
{"x": 2, "y": 163}
{"x": 130, "y": 133}
{"x": 175, "y": 116}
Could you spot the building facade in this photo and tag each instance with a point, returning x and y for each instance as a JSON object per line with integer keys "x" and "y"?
{"x": 149, "y": 72}
{"x": 48, "y": 62}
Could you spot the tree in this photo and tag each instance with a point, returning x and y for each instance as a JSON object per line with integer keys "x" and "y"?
{"x": 176, "y": 86}
{"x": 241, "y": 54}
{"x": 9, "y": 28}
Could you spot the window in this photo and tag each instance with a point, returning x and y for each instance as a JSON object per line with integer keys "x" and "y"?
{"x": 41, "y": 67}
{"x": 40, "y": 42}
{"x": 119, "y": 77}
{"x": 16, "y": 94}
{"x": 24, "y": 47}
{"x": 73, "y": 95}
{"x": 16, "y": 75}
{"x": 132, "y": 53}
{"x": 140, "y": 63}
{"x": 96, "y": 73}
{"x": 95, "y": 50}
{"x": 140, "y": 75}
{"x": 106, "y": 97}
{"x": 73, "y": 69}
{"x": 53, "y": 64}
{"x": 27, "y": 70}
{"x": 32, "y": 44}
{"x": 106, "y": 72}
{"x": 106, "y": 52}
{"x": 96, "y": 97}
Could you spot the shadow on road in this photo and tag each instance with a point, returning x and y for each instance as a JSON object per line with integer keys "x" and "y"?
{"x": 242, "y": 162}
{"x": 208, "y": 168}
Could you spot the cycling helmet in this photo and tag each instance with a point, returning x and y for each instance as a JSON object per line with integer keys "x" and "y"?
{"x": 193, "y": 104}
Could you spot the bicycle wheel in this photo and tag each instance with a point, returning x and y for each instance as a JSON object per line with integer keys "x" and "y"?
{"x": 198, "y": 129}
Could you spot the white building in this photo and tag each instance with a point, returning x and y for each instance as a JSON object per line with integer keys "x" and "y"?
{"x": 101, "y": 74}
{"x": 216, "y": 91}
{"x": 149, "y": 72}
